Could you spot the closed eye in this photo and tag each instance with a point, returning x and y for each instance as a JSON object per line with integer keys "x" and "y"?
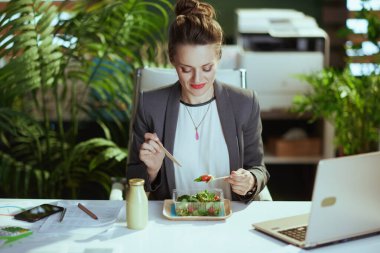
{"x": 186, "y": 70}
{"x": 208, "y": 68}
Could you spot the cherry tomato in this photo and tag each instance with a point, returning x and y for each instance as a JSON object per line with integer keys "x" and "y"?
{"x": 205, "y": 178}
{"x": 211, "y": 210}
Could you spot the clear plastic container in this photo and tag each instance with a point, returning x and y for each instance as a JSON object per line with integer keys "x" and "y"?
{"x": 192, "y": 203}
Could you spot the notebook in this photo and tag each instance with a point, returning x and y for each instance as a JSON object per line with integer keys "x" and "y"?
{"x": 345, "y": 204}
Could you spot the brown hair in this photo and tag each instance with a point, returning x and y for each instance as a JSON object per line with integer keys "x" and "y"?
{"x": 195, "y": 24}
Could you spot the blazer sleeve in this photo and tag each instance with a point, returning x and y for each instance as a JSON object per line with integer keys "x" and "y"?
{"x": 253, "y": 149}
{"x": 135, "y": 167}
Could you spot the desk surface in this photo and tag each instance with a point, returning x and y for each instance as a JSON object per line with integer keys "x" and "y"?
{"x": 235, "y": 234}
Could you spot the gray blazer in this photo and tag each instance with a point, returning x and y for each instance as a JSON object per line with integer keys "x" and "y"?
{"x": 239, "y": 113}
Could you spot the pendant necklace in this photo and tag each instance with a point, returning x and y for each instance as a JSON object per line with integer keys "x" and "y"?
{"x": 192, "y": 120}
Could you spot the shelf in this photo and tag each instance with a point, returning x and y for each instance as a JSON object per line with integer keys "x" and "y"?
{"x": 270, "y": 159}
{"x": 283, "y": 114}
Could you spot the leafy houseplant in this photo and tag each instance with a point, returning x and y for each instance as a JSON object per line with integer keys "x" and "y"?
{"x": 351, "y": 103}
{"x": 63, "y": 66}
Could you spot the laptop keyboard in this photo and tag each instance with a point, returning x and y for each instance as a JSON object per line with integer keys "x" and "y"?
{"x": 298, "y": 233}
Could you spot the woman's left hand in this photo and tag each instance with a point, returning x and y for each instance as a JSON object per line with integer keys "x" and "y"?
{"x": 242, "y": 181}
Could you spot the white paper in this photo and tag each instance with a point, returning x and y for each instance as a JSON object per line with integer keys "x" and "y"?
{"x": 75, "y": 248}
{"x": 76, "y": 220}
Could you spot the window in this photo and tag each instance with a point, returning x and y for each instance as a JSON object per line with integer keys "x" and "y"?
{"x": 363, "y": 54}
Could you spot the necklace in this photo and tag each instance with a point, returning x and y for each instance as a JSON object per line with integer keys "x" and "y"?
{"x": 192, "y": 120}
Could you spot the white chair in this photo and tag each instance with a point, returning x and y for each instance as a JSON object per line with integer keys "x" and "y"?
{"x": 153, "y": 78}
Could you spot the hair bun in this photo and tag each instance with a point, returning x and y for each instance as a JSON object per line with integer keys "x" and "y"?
{"x": 194, "y": 7}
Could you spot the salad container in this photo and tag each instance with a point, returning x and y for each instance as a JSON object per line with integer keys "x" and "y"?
{"x": 198, "y": 202}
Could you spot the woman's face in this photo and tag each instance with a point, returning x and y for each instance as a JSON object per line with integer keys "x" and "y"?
{"x": 196, "y": 67}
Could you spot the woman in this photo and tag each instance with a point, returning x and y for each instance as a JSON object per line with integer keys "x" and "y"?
{"x": 210, "y": 127}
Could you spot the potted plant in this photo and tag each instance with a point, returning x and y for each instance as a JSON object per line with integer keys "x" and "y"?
{"x": 60, "y": 66}
{"x": 349, "y": 102}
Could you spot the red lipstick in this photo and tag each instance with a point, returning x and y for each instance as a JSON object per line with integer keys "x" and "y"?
{"x": 198, "y": 86}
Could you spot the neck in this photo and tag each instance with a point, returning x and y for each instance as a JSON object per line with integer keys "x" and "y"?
{"x": 190, "y": 99}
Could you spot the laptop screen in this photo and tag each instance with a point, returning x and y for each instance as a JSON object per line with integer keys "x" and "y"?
{"x": 345, "y": 200}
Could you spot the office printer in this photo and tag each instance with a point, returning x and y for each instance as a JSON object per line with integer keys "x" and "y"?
{"x": 278, "y": 44}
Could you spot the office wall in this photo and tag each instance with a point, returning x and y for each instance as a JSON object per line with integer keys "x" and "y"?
{"x": 226, "y": 10}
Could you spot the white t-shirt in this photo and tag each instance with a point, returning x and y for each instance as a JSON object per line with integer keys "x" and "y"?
{"x": 207, "y": 155}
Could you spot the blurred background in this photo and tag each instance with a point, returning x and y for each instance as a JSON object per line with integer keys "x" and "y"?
{"x": 67, "y": 78}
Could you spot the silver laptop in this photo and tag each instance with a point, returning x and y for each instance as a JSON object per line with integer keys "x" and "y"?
{"x": 345, "y": 204}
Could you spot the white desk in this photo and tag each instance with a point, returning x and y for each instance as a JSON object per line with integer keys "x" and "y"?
{"x": 235, "y": 234}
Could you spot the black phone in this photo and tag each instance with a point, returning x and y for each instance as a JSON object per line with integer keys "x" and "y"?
{"x": 38, "y": 212}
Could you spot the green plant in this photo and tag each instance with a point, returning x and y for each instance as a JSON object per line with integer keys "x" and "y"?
{"x": 350, "y": 103}
{"x": 64, "y": 66}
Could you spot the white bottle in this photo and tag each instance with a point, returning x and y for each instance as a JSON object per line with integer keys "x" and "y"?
{"x": 137, "y": 204}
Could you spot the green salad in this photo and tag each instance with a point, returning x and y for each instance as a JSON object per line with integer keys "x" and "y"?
{"x": 203, "y": 196}
{"x": 204, "y": 203}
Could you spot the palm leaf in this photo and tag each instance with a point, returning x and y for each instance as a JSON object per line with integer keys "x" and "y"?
{"x": 101, "y": 48}
{"x": 14, "y": 123}
{"x": 15, "y": 177}
{"x": 88, "y": 158}
{"x": 28, "y": 32}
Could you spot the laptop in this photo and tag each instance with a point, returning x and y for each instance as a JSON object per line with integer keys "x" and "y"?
{"x": 345, "y": 204}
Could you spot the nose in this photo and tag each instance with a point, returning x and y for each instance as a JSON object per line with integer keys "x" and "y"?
{"x": 197, "y": 76}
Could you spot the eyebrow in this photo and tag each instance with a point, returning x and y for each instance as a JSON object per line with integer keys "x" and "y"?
{"x": 204, "y": 65}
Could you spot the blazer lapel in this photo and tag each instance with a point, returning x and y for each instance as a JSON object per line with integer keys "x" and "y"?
{"x": 171, "y": 117}
{"x": 227, "y": 120}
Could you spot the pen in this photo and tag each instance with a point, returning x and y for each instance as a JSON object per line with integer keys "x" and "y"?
{"x": 62, "y": 215}
{"x": 84, "y": 209}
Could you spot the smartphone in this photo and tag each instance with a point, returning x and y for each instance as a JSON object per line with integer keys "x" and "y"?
{"x": 38, "y": 212}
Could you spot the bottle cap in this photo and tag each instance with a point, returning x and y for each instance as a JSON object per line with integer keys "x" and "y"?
{"x": 136, "y": 181}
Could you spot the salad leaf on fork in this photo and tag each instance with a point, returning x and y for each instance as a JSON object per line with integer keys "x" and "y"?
{"x": 204, "y": 178}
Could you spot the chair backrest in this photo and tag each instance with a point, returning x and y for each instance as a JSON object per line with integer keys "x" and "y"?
{"x": 153, "y": 78}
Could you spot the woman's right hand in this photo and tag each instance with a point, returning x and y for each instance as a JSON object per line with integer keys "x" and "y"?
{"x": 152, "y": 155}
